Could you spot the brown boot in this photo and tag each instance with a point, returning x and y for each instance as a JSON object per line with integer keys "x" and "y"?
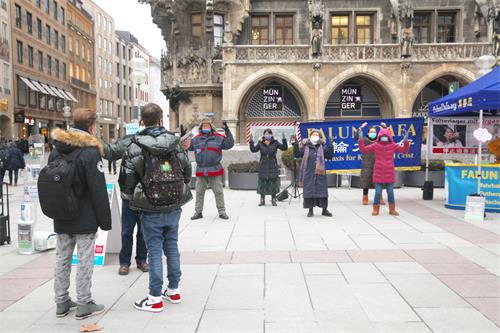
{"x": 392, "y": 209}
{"x": 382, "y": 202}
{"x": 376, "y": 210}
{"x": 143, "y": 266}
{"x": 123, "y": 270}
{"x": 365, "y": 200}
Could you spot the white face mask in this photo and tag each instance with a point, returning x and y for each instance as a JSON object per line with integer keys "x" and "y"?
{"x": 314, "y": 139}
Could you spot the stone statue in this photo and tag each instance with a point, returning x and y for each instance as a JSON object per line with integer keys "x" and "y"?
{"x": 393, "y": 21}
{"x": 176, "y": 96}
{"x": 407, "y": 43}
{"x": 317, "y": 40}
{"x": 316, "y": 10}
{"x": 406, "y": 13}
{"x": 166, "y": 61}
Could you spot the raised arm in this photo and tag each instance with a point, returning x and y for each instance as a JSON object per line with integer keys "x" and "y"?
{"x": 298, "y": 152}
{"x": 254, "y": 148}
{"x": 283, "y": 145}
{"x": 364, "y": 148}
{"x": 328, "y": 150}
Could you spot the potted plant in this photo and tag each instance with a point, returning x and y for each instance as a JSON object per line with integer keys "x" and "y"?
{"x": 417, "y": 178}
{"x": 243, "y": 176}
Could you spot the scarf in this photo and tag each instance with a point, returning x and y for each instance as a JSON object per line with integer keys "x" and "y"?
{"x": 319, "y": 166}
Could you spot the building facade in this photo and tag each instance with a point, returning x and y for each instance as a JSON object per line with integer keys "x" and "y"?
{"x": 40, "y": 65}
{"x": 155, "y": 94}
{"x": 104, "y": 57}
{"x": 141, "y": 91}
{"x": 225, "y": 56}
{"x": 80, "y": 36}
{"x": 124, "y": 42}
{"x": 7, "y": 130}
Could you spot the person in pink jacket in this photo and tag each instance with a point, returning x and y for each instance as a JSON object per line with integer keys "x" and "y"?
{"x": 383, "y": 171}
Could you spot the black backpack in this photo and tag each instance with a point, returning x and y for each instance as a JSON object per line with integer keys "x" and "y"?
{"x": 163, "y": 179}
{"x": 58, "y": 188}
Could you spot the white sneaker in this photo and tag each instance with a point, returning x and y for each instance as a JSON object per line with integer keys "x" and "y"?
{"x": 150, "y": 303}
{"x": 172, "y": 295}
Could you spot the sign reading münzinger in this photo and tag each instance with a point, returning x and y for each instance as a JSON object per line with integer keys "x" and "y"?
{"x": 273, "y": 98}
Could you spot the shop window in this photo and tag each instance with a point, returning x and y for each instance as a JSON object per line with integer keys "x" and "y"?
{"x": 364, "y": 29}
{"x": 51, "y": 102}
{"x": 22, "y": 92}
{"x": 218, "y": 30}
{"x": 33, "y": 98}
{"x": 422, "y": 28}
{"x": 340, "y": 29}
{"x": 42, "y": 101}
{"x": 283, "y": 29}
{"x": 260, "y": 30}
{"x": 273, "y": 100}
{"x": 446, "y": 27}
{"x": 59, "y": 104}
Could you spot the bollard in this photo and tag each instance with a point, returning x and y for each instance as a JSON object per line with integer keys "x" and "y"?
{"x": 428, "y": 190}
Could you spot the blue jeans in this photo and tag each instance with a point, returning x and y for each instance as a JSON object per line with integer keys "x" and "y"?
{"x": 129, "y": 219}
{"x": 378, "y": 193}
{"x": 161, "y": 232}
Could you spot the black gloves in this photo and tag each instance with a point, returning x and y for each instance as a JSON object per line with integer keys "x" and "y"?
{"x": 225, "y": 127}
{"x": 183, "y": 131}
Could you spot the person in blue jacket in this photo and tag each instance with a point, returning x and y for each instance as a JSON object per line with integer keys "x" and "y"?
{"x": 208, "y": 146}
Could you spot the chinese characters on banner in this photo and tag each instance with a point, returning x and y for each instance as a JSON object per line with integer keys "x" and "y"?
{"x": 346, "y": 153}
{"x": 456, "y": 135}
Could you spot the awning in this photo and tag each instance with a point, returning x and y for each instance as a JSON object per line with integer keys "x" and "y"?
{"x": 39, "y": 86}
{"x": 66, "y": 97}
{"x": 29, "y": 83}
{"x": 58, "y": 93}
{"x": 48, "y": 90}
{"x": 71, "y": 96}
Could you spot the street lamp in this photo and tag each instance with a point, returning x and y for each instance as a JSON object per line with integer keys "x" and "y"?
{"x": 139, "y": 76}
{"x": 67, "y": 114}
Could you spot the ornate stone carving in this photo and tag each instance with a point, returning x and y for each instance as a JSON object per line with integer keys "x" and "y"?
{"x": 316, "y": 11}
{"x": 317, "y": 40}
{"x": 407, "y": 43}
{"x": 272, "y": 53}
{"x": 350, "y": 53}
{"x": 406, "y": 13}
{"x": 192, "y": 68}
{"x": 441, "y": 52}
{"x": 217, "y": 71}
{"x": 176, "y": 96}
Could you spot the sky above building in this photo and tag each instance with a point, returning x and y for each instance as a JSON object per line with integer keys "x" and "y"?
{"x": 132, "y": 16}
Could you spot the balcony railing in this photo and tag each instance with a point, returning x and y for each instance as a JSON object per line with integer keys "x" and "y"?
{"x": 80, "y": 83}
{"x": 351, "y": 53}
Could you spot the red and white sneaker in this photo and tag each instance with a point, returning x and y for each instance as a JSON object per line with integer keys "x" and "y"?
{"x": 150, "y": 303}
{"x": 172, "y": 295}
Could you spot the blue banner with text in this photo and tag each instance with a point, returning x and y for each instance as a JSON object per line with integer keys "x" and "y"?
{"x": 347, "y": 156}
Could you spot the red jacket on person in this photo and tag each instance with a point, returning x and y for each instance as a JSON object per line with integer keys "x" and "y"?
{"x": 383, "y": 171}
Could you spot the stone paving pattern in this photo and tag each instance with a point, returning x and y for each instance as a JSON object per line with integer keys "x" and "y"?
{"x": 271, "y": 269}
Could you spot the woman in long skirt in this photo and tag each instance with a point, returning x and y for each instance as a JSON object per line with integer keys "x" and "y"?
{"x": 312, "y": 175}
{"x": 268, "y": 183}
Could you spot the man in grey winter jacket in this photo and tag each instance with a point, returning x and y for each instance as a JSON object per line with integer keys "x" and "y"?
{"x": 156, "y": 154}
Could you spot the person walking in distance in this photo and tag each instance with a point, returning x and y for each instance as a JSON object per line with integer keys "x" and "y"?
{"x": 72, "y": 191}
{"x": 383, "y": 171}
{"x": 366, "y": 175}
{"x": 157, "y": 173}
{"x": 16, "y": 162}
{"x": 268, "y": 183}
{"x": 207, "y": 147}
{"x": 312, "y": 175}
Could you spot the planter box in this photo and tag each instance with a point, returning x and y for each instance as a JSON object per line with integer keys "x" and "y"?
{"x": 399, "y": 180}
{"x": 334, "y": 180}
{"x": 243, "y": 181}
{"x": 417, "y": 178}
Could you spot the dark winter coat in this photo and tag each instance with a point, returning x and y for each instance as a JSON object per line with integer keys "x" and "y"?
{"x": 157, "y": 141}
{"x": 115, "y": 151}
{"x": 366, "y": 175}
{"x": 383, "y": 171}
{"x": 268, "y": 167}
{"x": 4, "y": 157}
{"x": 16, "y": 160}
{"x": 95, "y": 210}
{"x": 315, "y": 186}
{"x": 208, "y": 152}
